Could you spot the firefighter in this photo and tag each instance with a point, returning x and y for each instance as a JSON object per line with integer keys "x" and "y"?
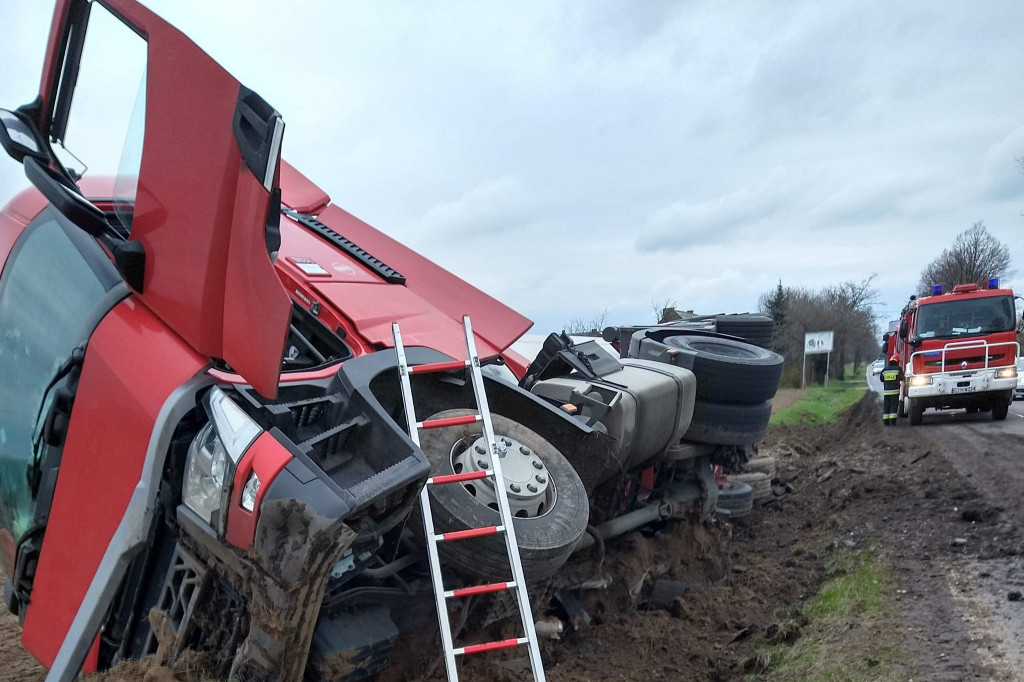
{"x": 891, "y": 375}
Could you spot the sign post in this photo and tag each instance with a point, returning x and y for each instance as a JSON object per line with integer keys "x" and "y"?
{"x": 816, "y": 342}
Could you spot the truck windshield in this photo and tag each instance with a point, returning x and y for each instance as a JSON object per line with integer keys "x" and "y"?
{"x": 965, "y": 317}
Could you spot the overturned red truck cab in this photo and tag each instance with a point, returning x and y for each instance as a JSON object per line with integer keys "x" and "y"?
{"x": 200, "y": 416}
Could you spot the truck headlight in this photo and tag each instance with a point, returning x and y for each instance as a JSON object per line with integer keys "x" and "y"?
{"x": 1006, "y": 373}
{"x": 920, "y": 380}
{"x": 213, "y": 456}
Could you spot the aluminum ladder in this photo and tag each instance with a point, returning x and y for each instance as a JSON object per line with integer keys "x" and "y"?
{"x": 506, "y": 529}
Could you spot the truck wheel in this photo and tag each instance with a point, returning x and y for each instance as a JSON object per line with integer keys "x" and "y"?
{"x": 758, "y": 481}
{"x": 737, "y": 498}
{"x": 1000, "y": 411}
{"x": 728, "y": 371}
{"x": 725, "y": 424}
{"x": 756, "y": 329}
{"x": 766, "y": 464}
{"x": 549, "y": 523}
{"x": 916, "y": 411}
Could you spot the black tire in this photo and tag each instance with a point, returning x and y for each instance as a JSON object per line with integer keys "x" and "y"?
{"x": 737, "y": 498}
{"x": 545, "y": 542}
{"x": 760, "y": 322}
{"x": 916, "y": 411}
{"x": 728, "y": 371}
{"x": 754, "y": 328}
{"x": 1000, "y": 411}
{"x": 724, "y": 424}
{"x": 758, "y": 480}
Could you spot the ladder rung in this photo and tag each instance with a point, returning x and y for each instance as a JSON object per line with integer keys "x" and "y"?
{"x": 490, "y": 646}
{"x": 439, "y": 367}
{"x": 470, "y": 533}
{"x": 458, "y": 478}
{"x": 449, "y": 421}
{"x": 480, "y": 589}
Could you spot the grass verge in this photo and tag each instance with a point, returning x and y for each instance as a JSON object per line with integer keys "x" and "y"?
{"x": 837, "y": 635}
{"x": 821, "y": 405}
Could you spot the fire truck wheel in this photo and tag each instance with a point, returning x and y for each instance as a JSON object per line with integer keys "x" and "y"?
{"x": 916, "y": 411}
{"x": 728, "y": 371}
{"x": 725, "y": 424}
{"x": 546, "y": 539}
{"x": 1000, "y": 411}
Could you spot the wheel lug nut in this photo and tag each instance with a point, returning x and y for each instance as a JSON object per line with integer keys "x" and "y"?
{"x": 514, "y": 488}
{"x": 523, "y": 449}
{"x": 507, "y": 442}
{"x": 531, "y": 487}
{"x": 541, "y": 479}
{"x": 537, "y": 464}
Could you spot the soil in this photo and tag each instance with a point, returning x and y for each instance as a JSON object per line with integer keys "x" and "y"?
{"x": 694, "y": 602}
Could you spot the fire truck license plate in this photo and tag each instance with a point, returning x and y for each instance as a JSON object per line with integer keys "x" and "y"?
{"x": 962, "y": 389}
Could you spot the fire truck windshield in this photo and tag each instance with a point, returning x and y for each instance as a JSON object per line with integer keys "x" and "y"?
{"x": 965, "y": 317}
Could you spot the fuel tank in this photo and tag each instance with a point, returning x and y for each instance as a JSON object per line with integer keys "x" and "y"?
{"x": 645, "y": 406}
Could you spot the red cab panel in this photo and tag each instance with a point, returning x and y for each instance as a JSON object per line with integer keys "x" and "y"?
{"x": 432, "y": 288}
{"x": 200, "y": 209}
{"x": 131, "y": 366}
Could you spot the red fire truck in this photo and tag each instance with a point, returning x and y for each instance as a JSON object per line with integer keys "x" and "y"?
{"x": 959, "y": 350}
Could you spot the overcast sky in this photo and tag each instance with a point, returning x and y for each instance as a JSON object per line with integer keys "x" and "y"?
{"x": 568, "y": 157}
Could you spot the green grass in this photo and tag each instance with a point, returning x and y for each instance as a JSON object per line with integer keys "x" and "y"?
{"x": 829, "y": 638}
{"x": 854, "y": 588}
{"x": 821, "y": 405}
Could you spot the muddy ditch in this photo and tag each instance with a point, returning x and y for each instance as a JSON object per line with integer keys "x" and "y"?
{"x": 706, "y": 602}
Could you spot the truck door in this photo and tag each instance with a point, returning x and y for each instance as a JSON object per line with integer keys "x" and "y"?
{"x": 196, "y": 194}
{"x": 189, "y": 220}
{"x": 54, "y": 288}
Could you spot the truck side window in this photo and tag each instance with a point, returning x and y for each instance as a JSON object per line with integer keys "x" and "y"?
{"x": 49, "y": 288}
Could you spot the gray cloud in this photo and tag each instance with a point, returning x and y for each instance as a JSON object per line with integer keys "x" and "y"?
{"x": 614, "y": 153}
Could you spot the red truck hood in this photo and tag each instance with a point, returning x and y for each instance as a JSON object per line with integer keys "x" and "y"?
{"x": 429, "y": 306}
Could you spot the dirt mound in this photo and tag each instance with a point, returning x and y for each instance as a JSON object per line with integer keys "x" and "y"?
{"x": 685, "y": 601}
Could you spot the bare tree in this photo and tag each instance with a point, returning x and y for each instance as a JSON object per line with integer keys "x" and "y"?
{"x": 844, "y": 308}
{"x": 975, "y": 256}
{"x": 587, "y": 325}
{"x": 659, "y": 308}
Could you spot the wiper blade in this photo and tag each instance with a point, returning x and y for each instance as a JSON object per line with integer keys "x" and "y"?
{"x": 74, "y": 359}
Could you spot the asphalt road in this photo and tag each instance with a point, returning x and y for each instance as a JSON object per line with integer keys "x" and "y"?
{"x": 989, "y": 452}
{"x": 874, "y": 382}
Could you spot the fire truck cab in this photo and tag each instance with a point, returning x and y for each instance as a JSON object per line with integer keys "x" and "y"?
{"x": 959, "y": 350}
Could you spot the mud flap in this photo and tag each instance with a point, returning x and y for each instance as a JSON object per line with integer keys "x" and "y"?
{"x": 285, "y": 602}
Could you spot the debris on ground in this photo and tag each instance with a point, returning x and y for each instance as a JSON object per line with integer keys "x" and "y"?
{"x": 710, "y": 601}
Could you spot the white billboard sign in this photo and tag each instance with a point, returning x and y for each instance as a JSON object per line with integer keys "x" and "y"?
{"x": 818, "y": 342}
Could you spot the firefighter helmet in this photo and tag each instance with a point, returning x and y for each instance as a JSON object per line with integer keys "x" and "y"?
{"x": 894, "y": 359}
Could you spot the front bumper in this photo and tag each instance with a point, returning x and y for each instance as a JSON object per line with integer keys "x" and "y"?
{"x": 954, "y": 385}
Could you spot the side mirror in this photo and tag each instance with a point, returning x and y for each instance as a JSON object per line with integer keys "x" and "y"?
{"x": 18, "y": 137}
{"x": 903, "y": 329}
{"x": 915, "y": 340}
{"x": 65, "y": 198}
